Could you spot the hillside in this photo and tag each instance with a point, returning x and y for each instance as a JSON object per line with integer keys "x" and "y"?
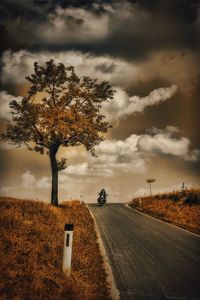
{"x": 32, "y": 247}
{"x": 181, "y": 208}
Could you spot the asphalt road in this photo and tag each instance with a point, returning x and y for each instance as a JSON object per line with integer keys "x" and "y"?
{"x": 149, "y": 259}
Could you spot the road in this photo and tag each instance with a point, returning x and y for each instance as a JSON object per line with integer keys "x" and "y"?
{"x": 149, "y": 259}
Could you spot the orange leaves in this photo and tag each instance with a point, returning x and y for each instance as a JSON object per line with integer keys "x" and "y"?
{"x": 60, "y": 107}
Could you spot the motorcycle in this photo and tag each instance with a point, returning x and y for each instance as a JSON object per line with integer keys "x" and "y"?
{"x": 101, "y": 200}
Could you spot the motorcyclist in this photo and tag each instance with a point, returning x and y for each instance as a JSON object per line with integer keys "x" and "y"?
{"x": 102, "y": 196}
{"x": 103, "y": 193}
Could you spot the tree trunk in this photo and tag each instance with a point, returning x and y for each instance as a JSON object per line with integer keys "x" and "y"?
{"x": 54, "y": 173}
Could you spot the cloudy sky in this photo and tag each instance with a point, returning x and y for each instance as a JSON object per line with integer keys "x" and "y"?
{"x": 149, "y": 52}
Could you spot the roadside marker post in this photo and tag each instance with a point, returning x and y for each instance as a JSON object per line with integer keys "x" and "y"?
{"x": 81, "y": 199}
{"x": 67, "y": 251}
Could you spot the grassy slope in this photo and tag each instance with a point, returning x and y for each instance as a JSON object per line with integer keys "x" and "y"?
{"x": 179, "y": 208}
{"x": 31, "y": 250}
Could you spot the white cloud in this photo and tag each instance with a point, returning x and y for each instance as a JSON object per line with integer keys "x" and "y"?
{"x": 163, "y": 141}
{"x": 156, "y": 141}
{"x": 5, "y": 190}
{"x": 85, "y": 169}
{"x": 132, "y": 154}
{"x": 112, "y": 157}
{"x": 134, "y": 148}
{"x": 120, "y": 156}
{"x": 43, "y": 183}
{"x": 28, "y": 180}
{"x": 122, "y": 105}
{"x": 129, "y": 155}
{"x": 17, "y": 65}
{"x": 5, "y": 98}
{"x": 79, "y": 169}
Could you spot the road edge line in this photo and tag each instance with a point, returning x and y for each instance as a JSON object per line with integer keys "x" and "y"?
{"x": 115, "y": 295}
{"x": 154, "y": 218}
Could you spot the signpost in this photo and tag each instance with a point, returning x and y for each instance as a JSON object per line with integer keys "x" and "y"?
{"x": 150, "y": 181}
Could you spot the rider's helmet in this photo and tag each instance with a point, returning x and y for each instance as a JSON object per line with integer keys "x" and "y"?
{"x": 102, "y": 191}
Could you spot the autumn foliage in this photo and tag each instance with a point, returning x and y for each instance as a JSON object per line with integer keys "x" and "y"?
{"x": 32, "y": 247}
{"x": 181, "y": 208}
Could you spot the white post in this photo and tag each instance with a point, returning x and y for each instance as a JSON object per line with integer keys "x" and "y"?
{"x": 81, "y": 199}
{"x": 67, "y": 251}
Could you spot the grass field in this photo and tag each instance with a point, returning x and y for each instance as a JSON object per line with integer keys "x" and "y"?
{"x": 32, "y": 247}
{"x": 181, "y": 208}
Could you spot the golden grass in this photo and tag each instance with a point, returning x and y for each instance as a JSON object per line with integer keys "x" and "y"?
{"x": 32, "y": 247}
{"x": 181, "y": 208}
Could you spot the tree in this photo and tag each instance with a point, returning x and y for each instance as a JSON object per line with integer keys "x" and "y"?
{"x": 60, "y": 109}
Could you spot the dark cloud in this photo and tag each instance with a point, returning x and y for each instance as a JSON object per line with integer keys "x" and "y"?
{"x": 9, "y": 41}
{"x": 26, "y": 9}
{"x": 136, "y": 28}
{"x": 105, "y": 68}
{"x": 184, "y": 11}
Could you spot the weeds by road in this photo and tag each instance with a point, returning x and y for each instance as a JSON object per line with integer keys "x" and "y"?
{"x": 32, "y": 247}
{"x": 181, "y": 208}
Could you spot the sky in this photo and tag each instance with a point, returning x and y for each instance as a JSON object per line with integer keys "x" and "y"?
{"x": 149, "y": 52}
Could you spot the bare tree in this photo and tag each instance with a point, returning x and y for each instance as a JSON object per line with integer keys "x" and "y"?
{"x": 60, "y": 109}
{"x": 150, "y": 181}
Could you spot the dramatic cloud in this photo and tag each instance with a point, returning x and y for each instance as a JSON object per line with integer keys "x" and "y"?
{"x": 5, "y": 98}
{"x": 73, "y": 25}
{"x": 156, "y": 141}
{"x": 112, "y": 157}
{"x": 101, "y": 27}
{"x": 163, "y": 141}
{"x": 132, "y": 154}
{"x": 104, "y": 68}
{"x": 17, "y": 65}
{"x": 123, "y": 105}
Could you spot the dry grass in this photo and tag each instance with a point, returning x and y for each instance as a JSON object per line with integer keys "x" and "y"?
{"x": 32, "y": 247}
{"x": 179, "y": 208}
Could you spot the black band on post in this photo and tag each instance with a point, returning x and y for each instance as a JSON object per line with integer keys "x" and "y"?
{"x": 69, "y": 227}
